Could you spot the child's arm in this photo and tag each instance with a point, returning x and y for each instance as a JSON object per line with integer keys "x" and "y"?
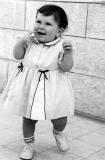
{"x": 21, "y": 46}
{"x": 19, "y": 49}
{"x": 66, "y": 62}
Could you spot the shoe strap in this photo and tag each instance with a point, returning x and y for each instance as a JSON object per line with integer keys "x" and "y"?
{"x": 56, "y": 132}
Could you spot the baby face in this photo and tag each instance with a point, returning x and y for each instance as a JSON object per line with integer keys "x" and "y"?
{"x": 46, "y": 28}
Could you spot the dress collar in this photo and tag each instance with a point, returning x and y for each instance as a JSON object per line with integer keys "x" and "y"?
{"x": 48, "y": 43}
{"x": 52, "y": 42}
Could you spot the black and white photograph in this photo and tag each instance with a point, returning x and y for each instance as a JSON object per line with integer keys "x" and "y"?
{"x": 52, "y": 80}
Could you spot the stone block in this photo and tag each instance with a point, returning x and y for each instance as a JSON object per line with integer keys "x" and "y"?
{"x": 3, "y": 73}
{"x": 31, "y": 8}
{"x": 12, "y": 14}
{"x": 96, "y": 21}
{"x": 89, "y": 56}
{"x": 8, "y": 39}
{"x": 89, "y": 94}
{"x": 76, "y": 15}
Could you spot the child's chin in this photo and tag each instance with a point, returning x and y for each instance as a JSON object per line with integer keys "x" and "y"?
{"x": 42, "y": 40}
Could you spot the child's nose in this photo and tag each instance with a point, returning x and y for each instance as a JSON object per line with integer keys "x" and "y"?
{"x": 42, "y": 26}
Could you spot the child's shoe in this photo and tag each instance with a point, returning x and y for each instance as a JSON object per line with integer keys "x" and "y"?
{"x": 61, "y": 141}
{"x": 28, "y": 152}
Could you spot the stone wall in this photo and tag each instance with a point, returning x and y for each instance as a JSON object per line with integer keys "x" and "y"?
{"x": 87, "y": 34}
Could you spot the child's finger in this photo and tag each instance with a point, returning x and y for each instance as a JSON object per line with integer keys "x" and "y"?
{"x": 67, "y": 48}
{"x": 67, "y": 45}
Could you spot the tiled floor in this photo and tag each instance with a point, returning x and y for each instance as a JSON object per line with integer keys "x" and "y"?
{"x": 86, "y": 138}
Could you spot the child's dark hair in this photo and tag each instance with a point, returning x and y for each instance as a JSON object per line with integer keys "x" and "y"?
{"x": 58, "y": 13}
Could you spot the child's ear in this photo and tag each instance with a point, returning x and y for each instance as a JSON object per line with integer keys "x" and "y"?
{"x": 60, "y": 31}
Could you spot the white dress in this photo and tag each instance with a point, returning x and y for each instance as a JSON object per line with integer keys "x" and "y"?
{"x": 38, "y": 89}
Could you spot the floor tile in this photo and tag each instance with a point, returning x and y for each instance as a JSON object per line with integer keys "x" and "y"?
{"x": 101, "y": 131}
{"x": 82, "y": 149}
{"x": 43, "y": 126}
{"x": 7, "y": 136}
{"x": 54, "y": 154}
{"x": 90, "y": 124}
{"x": 97, "y": 156}
{"x": 94, "y": 139}
{"x": 74, "y": 119}
{"x": 76, "y": 131}
{"x": 6, "y": 154}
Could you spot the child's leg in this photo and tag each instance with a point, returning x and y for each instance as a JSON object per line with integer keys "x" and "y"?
{"x": 28, "y": 134}
{"x": 58, "y": 127}
{"x": 28, "y": 128}
{"x": 59, "y": 124}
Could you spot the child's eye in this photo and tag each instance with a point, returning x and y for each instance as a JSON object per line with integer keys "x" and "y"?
{"x": 48, "y": 24}
{"x": 39, "y": 22}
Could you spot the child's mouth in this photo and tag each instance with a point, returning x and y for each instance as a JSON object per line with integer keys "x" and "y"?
{"x": 41, "y": 33}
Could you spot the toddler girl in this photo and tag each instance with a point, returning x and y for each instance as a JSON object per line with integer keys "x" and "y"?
{"x": 40, "y": 88}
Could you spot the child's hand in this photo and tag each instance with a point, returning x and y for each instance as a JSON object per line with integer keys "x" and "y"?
{"x": 65, "y": 61}
{"x": 31, "y": 38}
{"x": 67, "y": 46}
